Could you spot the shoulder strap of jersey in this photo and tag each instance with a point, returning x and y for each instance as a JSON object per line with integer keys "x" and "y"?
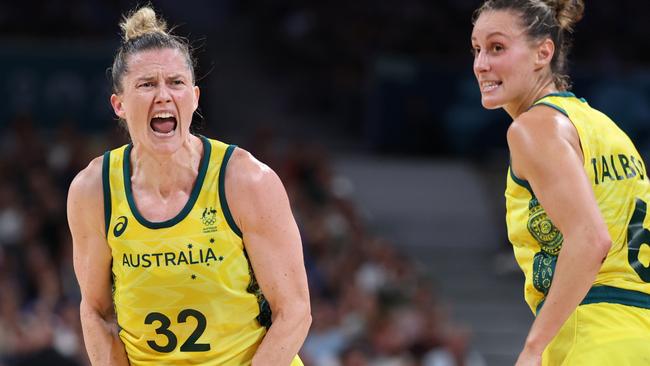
{"x": 551, "y": 100}
{"x": 107, "y": 189}
{"x": 222, "y": 190}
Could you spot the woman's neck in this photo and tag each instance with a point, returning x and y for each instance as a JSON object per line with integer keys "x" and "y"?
{"x": 164, "y": 175}
{"x": 541, "y": 88}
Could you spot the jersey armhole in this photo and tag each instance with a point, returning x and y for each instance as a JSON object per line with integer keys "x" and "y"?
{"x": 106, "y": 185}
{"x": 222, "y": 192}
{"x": 522, "y": 182}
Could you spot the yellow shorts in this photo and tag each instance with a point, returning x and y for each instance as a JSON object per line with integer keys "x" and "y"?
{"x": 602, "y": 334}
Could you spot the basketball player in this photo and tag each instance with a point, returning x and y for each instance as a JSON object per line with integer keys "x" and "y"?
{"x": 576, "y": 196}
{"x": 175, "y": 231}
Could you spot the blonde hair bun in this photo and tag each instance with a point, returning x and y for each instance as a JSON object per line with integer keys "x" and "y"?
{"x": 567, "y": 12}
{"x": 141, "y": 22}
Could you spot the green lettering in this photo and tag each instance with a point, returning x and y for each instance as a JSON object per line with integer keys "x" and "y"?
{"x": 594, "y": 163}
{"x": 192, "y": 261}
{"x": 611, "y": 160}
{"x": 134, "y": 264}
{"x": 169, "y": 258}
{"x": 125, "y": 261}
{"x": 639, "y": 169}
{"x": 210, "y": 255}
{"x": 603, "y": 162}
{"x": 627, "y": 169}
{"x": 146, "y": 263}
{"x": 182, "y": 258}
{"x": 157, "y": 255}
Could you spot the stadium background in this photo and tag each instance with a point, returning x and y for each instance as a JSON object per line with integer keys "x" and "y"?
{"x": 368, "y": 111}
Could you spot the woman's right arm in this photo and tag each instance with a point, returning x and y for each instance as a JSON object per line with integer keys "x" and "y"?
{"x": 546, "y": 150}
{"x": 92, "y": 265}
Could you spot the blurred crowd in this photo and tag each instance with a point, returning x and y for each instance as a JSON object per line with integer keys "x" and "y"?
{"x": 371, "y": 304}
{"x": 332, "y": 52}
{"x": 39, "y": 310}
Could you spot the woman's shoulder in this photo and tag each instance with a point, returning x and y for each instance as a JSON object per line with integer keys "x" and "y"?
{"x": 538, "y": 136}
{"x": 540, "y": 123}
{"x": 246, "y": 169}
{"x": 87, "y": 185}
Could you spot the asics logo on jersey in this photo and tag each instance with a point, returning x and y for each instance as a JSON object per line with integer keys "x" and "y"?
{"x": 120, "y": 227}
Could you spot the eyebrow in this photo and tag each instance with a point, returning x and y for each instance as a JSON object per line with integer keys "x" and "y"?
{"x": 153, "y": 77}
{"x": 145, "y": 78}
{"x": 496, "y": 33}
{"x": 176, "y": 76}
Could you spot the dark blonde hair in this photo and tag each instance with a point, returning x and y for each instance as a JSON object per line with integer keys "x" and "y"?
{"x": 142, "y": 31}
{"x": 542, "y": 19}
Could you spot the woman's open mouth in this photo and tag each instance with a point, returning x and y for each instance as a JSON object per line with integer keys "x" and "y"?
{"x": 163, "y": 124}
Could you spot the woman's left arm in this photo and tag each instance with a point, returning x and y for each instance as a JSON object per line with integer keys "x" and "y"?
{"x": 546, "y": 150}
{"x": 260, "y": 207}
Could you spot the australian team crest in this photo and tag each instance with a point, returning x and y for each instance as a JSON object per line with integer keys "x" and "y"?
{"x": 543, "y": 230}
{"x": 209, "y": 220}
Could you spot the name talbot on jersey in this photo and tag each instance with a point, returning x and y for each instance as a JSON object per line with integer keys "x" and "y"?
{"x": 617, "y": 167}
{"x": 167, "y": 259}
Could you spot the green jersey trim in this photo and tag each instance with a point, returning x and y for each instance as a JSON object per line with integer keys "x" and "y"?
{"x": 613, "y": 295}
{"x": 106, "y": 185}
{"x": 521, "y": 182}
{"x": 203, "y": 168}
{"x": 565, "y": 94}
{"x": 548, "y": 104}
{"x": 222, "y": 192}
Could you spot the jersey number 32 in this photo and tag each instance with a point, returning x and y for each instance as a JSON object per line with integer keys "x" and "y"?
{"x": 190, "y": 344}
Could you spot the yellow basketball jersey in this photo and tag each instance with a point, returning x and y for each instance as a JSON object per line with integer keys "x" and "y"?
{"x": 620, "y": 184}
{"x": 184, "y": 290}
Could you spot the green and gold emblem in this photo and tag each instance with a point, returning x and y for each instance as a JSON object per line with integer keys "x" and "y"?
{"x": 543, "y": 271}
{"x": 543, "y": 230}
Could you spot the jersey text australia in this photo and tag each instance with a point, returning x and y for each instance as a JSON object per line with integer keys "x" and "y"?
{"x": 184, "y": 291}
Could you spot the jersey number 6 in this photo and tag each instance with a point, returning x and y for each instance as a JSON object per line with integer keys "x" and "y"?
{"x": 637, "y": 236}
{"x": 190, "y": 344}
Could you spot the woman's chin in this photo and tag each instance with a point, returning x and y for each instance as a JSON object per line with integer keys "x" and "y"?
{"x": 164, "y": 145}
{"x": 489, "y": 102}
